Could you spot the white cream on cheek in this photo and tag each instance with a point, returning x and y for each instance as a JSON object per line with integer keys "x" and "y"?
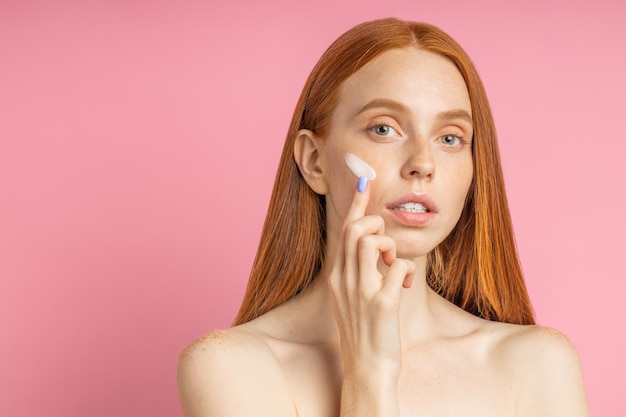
{"x": 359, "y": 167}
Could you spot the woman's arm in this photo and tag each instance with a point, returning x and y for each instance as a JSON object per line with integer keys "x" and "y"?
{"x": 366, "y": 308}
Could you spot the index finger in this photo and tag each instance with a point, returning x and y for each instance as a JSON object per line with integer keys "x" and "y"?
{"x": 359, "y": 201}
{"x": 355, "y": 212}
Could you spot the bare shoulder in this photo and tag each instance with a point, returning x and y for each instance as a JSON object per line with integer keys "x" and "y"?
{"x": 546, "y": 371}
{"x": 526, "y": 341}
{"x": 228, "y": 344}
{"x": 539, "y": 351}
{"x": 231, "y": 373}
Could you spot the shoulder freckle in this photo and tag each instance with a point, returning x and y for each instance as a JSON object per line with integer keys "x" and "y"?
{"x": 544, "y": 348}
{"x": 553, "y": 337}
{"x": 529, "y": 343}
{"x": 216, "y": 337}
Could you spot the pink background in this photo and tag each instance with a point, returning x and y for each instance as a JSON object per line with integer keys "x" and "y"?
{"x": 138, "y": 146}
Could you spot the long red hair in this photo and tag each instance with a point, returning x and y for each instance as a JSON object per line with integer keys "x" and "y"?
{"x": 476, "y": 266}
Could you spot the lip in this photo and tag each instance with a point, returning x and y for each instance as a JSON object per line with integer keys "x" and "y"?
{"x": 414, "y": 219}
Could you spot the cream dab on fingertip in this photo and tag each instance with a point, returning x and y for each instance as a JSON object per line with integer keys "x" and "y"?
{"x": 359, "y": 167}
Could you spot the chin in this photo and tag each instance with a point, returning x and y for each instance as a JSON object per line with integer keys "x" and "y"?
{"x": 411, "y": 254}
{"x": 410, "y": 247}
{"x": 412, "y": 250}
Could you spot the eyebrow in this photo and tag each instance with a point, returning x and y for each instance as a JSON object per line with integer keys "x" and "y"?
{"x": 381, "y": 102}
{"x": 456, "y": 114}
{"x": 394, "y": 105}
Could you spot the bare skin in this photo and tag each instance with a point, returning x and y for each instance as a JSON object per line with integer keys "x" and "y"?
{"x": 369, "y": 337}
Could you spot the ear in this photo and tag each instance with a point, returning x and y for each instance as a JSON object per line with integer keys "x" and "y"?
{"x": 308, "y": 156}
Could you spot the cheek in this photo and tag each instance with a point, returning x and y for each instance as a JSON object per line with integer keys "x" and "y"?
{"x": 342, "y": 186}
{"x": 341, "y": 194}
{"x": 342, "y": 182}
{"x": 464, "y": 181}
{"x": 458, "y": 175}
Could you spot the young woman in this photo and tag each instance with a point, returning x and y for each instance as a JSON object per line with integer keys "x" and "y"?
{"x": 398, "y": 296}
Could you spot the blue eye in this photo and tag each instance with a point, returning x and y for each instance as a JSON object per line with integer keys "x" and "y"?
{"x": 450, "y": 140}
{"x": 384, "y": 130}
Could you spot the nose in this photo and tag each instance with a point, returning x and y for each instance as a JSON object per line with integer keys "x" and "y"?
{"x": 419, "y": 161}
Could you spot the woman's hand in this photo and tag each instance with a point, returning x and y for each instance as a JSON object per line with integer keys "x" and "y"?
{"x": 366, "y": 306}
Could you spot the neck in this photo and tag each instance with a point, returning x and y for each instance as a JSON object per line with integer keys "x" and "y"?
{"x": 417, "y": 307}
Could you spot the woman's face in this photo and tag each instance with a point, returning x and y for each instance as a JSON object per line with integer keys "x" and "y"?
{"x": 406, "y": 113}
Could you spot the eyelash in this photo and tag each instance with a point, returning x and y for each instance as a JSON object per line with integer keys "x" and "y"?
{"x": 378, "y": 126}
{"x": 458, "y": 136}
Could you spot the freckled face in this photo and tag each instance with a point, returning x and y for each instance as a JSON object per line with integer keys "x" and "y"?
{"x": 406, "y": 113}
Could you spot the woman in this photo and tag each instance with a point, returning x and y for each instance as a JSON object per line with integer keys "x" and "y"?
{"x": 401, "y": 296}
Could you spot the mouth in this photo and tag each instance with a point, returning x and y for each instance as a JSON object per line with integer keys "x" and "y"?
{"x": 411, "y": 208}
{"x": 414, "y": 209}
{"x": 414, "y": 202}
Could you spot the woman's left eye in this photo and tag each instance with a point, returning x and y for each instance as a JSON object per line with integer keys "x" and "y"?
{"x": 384, "y": 130}
{"x": 450, "y": 140}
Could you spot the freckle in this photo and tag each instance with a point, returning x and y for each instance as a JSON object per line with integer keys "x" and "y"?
{"x": 218, "y": 336}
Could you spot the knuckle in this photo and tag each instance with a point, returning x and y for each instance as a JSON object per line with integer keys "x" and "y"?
{"x": 385, "y": 302}
{"x": 389, "y": 242}
{"x": 367, "y": 242}
{"x": 403, "y": 265}
{"x": 353, "y": 230}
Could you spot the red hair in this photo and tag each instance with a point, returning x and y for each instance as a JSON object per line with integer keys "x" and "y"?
{"x": 476, "y": 266}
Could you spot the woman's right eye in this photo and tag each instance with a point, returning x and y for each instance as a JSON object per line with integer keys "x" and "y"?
{"x": 384, "y": 130}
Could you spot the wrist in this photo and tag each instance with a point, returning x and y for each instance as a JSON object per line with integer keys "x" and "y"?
{"x": 372, "y": 394}
{"x": 383, "y": 370}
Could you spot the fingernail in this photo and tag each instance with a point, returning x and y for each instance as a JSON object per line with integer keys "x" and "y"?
{"x": 362, "y": 185}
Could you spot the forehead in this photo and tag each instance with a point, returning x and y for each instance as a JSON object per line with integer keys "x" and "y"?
{"x": 421, "y": 80}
